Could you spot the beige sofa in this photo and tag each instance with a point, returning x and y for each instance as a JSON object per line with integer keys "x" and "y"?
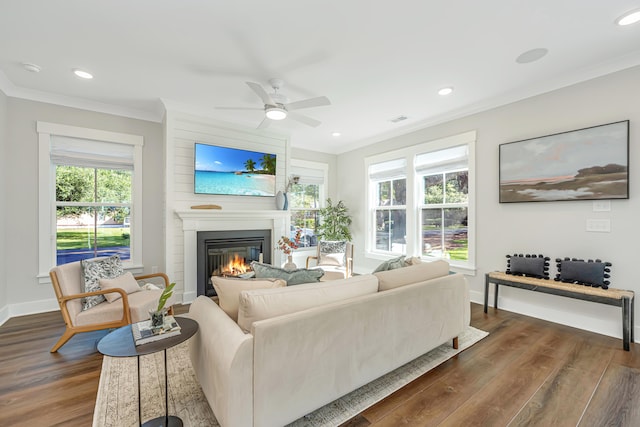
{"x": 310, "y": 344}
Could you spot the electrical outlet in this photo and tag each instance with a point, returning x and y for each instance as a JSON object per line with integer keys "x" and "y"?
{"x": 154, "y": 269}
{"x": 599, "y": 225}
{"x": 602, "y": 205}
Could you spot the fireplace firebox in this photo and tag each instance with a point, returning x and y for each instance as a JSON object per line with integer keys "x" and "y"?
{"x": 229, "y": 253}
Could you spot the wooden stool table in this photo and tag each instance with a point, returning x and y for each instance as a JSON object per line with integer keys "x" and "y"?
{"x": 612, "y": 296}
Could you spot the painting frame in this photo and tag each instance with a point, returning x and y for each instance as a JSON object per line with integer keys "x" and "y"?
{"x": 591, "y": 163}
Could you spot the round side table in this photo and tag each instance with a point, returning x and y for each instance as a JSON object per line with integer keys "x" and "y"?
{"x": 120, "y": 343}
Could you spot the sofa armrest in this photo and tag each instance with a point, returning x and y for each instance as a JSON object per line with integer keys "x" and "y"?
{"x": 222, "y": 357}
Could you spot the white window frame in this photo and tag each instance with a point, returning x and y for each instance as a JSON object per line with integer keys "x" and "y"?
{"x": 322, "y": 194}
{"x": 47, "y": 192}
{"x": 414, "y": 199}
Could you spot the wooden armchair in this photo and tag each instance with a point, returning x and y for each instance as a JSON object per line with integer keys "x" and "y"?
{"x": 335, "y": 264}
{"x": 68, "y": 284}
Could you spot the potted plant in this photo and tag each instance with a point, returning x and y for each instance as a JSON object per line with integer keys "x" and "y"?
{"x": 157, "y": 315}
{"x": 334, "y": 222}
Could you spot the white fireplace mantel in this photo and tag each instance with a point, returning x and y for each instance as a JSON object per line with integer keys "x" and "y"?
{"x": 220, "y": 220}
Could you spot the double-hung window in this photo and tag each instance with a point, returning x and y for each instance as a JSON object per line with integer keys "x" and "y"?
{"x": 90, "y": 193}
{"x": 389, "y": 185}
{"x": 421, "y": 201}
{"x": 444, "y": 202}
{"x": 306, "y": 197}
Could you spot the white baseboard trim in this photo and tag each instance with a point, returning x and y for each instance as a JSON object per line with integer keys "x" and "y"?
{"x": 4, "y": 314}
{"x": 33, "y": 307}
{"x": 609, "y": 325}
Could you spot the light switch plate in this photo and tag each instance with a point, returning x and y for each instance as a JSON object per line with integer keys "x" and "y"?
{"x": 599, "y": 225}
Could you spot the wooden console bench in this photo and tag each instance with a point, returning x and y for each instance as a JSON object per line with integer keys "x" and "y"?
{"x": 611, "y": 296}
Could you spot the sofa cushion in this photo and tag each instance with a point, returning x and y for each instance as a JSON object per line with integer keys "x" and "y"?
{"x": 391, "y": 264}
{"x": 95, "y": 269}
{"x": 228, "y": 291}
{"x": 126, "y": 282}
{"x": 411, "y": 274}
{"x": 267, "y": 303}
{"x": 293, "y": 277}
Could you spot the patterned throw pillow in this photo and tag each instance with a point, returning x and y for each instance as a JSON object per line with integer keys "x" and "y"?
{"x": 94, "y": 270}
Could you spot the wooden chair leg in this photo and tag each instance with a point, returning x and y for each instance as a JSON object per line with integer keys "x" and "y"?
{"x": 66, "y": 336}
{"x": 455, "y": 343}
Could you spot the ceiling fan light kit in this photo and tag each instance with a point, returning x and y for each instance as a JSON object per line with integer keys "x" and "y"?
{"x": 275, "y": 113}
{"x": 277, "y": 106}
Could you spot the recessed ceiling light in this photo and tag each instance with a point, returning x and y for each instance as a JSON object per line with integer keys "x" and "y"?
{"x": 532, "y": 55}
{"x": 82, "y": 74}
{"x": 31, "y": 67}
{"x": 445, "y": 91}
{"x": 336, "y": 134}
{"x": 629, "y": 18}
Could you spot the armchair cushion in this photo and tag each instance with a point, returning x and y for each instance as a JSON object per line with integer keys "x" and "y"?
{"x": 331, "y": 252}
{"x": 125, "y": 282}
{"x": 94, "y": 270}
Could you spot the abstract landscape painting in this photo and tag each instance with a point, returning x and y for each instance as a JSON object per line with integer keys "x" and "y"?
{"x": 585, "y": 164}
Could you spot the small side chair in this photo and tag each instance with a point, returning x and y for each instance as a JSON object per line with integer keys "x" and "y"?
{"x": 68, "y": 284}
{"x": 335, "y": 258}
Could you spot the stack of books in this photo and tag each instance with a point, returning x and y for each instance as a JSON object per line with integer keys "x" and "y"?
{"x": 144, "y": 333}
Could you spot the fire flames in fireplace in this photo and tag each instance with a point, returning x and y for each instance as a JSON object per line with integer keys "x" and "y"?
{"x": 234, "y": 267}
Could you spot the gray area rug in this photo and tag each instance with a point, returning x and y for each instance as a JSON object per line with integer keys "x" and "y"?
{"x": 117, "y": 400}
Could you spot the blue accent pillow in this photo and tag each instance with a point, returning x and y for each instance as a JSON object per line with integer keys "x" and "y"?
{"x": 293, "y": 277}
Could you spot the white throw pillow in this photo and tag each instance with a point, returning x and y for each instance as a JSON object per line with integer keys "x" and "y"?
{"x": 411, "y": 274}
{"x": 126, "y": 282}
{"x": 267, "y": 303}
{"x": 228, "y": 291}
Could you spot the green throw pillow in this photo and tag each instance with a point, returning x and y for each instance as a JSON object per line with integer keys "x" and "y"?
{"x": 293, "y": 277}
{"x": 391, "y": 264}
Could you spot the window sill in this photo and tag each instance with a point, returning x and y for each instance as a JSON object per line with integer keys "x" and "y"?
{"x": 45, "y": 279}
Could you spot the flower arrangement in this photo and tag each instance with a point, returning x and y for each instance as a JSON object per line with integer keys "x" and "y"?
{"x": 287, "y": 245}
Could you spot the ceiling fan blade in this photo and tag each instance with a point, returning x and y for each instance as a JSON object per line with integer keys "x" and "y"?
{"x": 259, "y": 90}
{"x": 239, "y": 108}
{"x": 304, "y": 119}
{"x": 307, "y": 103}
{"x": 264, "y": 123}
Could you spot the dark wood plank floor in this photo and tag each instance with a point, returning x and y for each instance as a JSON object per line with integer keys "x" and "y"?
{"x": 527, "y": 372}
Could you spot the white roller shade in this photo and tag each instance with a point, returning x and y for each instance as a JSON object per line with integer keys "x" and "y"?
{"x": 392, "y": 169}
{"x": 308, "y": 175}
{"x": 449, "y": 159}
{"x": 89, "y": 153}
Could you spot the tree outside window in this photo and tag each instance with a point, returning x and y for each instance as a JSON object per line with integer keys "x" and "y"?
{"x": 304, "y": 204}
{"x": 445, "y": 214}
{"x": 93, "y": 209}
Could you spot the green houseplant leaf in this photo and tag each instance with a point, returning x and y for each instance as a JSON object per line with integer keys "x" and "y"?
{"x": 166, "y": 294}
{"x": 335, "y": 222}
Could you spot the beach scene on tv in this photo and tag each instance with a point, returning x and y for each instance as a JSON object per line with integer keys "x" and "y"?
{"x": 585, "y": 164}
{"x": 221, "y": 170}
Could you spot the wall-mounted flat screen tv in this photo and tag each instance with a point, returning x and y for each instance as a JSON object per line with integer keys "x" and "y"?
{"x": 231, "y": 171}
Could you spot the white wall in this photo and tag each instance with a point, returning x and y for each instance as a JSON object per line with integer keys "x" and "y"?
{"x": 20, "y": 201}
{"x": 556, "y": 229}
{"x": 3, "y": 192}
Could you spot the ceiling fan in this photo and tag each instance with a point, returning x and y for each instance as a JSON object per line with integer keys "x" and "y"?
{"x": 278, "y": 107}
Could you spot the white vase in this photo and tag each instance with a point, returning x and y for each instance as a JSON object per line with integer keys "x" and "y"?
{"x": 281, "y": 200}
{"x": 290, "y": 265}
